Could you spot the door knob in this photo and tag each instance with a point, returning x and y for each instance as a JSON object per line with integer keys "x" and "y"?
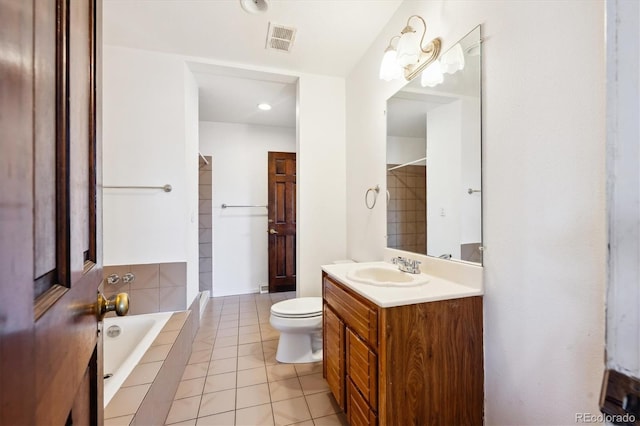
{"x": 118, "y": 304}
{"x": 272, "y": 231}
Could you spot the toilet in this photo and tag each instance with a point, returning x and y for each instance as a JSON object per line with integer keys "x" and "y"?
{"x": 299, "y": 322}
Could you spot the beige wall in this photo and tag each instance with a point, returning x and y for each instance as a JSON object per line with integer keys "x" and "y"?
{"x": 157, "y": 287}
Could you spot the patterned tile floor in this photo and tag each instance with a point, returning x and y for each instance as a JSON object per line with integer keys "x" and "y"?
{"x": 233, "y": 377}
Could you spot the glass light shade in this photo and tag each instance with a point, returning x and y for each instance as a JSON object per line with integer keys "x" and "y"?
{"x": 408, "y": 49}
{"x": 389, "y": 68}
{"x": 452, "y": 60}
{"x": 254, "y": 6}
{"x": 432, "y": 75}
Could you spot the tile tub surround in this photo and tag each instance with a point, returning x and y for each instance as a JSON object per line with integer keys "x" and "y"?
{"x": 205, "y": 224}
{"x": 158, "y": 287}
{"x": 407, "y": 209}
{"x": 234, "y": 378}
{"x": 145, "y": 396}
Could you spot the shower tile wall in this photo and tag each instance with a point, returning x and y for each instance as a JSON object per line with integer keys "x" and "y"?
{"x": 407, "y": 209}
{"x": 158, "y": 287}
{"x": 205, "y": 224}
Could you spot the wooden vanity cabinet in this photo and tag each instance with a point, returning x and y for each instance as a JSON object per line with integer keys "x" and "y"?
{"x": 418, "y": 364}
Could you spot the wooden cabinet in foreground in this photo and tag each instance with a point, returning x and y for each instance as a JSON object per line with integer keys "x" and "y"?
{"x": 418, "y": 364}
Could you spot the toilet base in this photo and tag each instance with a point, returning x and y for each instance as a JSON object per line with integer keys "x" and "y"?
{"x": 299, "y": 348}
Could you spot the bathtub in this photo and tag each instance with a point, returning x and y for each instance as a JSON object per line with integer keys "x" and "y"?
{"x": 126, "y": 339}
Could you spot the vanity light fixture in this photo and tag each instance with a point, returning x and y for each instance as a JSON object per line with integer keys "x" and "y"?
{"x": 452, "y": 60}
{"x": 410, "y": 53}
{"x": 390, "y": 69}
{"x": 264, "y": 106}
{"x": 432, "y": 75}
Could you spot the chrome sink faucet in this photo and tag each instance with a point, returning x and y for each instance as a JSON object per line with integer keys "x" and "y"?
{"x": 407, "y": 265}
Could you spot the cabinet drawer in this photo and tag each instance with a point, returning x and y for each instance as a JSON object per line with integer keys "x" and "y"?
{"x": 358, "y": 411}
{"x": 362, "y": 368}
{"x": 356, "y": 313}
{"x": 333, "y": 354}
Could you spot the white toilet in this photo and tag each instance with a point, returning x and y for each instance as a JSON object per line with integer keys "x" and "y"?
{"x": 299, "y": 322}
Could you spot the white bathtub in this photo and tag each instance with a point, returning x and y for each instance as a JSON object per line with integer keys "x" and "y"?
{"x": 123, "y": 352}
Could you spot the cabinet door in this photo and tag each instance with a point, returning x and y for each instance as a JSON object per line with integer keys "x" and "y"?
{"x": 362, "y": 368}
{"x": 358, "y": 411}
{"x": 334, "y": 360}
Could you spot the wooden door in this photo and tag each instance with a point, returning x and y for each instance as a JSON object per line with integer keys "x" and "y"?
{"x": 282, "y": 221}
{"x": 50, "y": 245}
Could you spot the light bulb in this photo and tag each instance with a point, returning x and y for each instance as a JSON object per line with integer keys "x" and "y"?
{"x": 432, "y": 75}
{"x": 389, "y": 68}
{"x": 452, "y": 60}
{"x": 408, "y": 48}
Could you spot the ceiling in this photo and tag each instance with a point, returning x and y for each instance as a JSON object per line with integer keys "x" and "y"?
{"x": 331, "y": 37}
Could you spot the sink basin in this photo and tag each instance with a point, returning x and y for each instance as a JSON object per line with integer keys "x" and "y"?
{"x": 386, "y": 276}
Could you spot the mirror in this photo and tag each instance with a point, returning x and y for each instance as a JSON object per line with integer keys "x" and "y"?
{"x": 434, "y": 158}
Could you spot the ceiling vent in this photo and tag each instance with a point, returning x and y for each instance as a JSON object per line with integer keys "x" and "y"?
{"x": 280, "y": 37}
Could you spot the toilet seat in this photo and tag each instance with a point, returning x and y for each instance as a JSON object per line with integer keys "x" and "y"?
{"x": 301, "y": 307}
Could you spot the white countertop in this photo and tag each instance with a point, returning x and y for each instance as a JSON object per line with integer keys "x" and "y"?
{"x": 437, "y": 288}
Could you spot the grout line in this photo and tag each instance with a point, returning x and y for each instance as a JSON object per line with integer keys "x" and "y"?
{"x": 235, "y": 300}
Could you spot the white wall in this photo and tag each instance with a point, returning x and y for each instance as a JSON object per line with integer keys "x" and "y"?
{"x": 144, "y": 144}
{"x": 471, "y": 172}
{"x": 148, "y": 98}
{"x": 191, "y": 172}
{"x": 321, "y": 179}
{"x": 544, "y": 204}
{"x": 444, "y": 147}
{"x": 623, "y": 191}
{"x": 144, "y": 139}
{"x": 402, "y": 150}
{"x": 240, "y": 240}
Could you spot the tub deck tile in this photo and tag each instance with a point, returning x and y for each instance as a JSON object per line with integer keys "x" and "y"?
{"x": 176, "y": 322}
{"x": 165, "y": 338}
{"x": 126, "y": 401}
{"x": 156, "y": 353}
{"x": 143, "y": 374}
{"x": 119, "y": 421}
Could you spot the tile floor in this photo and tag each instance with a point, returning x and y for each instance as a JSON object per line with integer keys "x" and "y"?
{"x": 233, "y": 376}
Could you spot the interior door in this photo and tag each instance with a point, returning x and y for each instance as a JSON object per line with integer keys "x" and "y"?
{"x": 282, "y": 221}
{"x": 50, "y": 245}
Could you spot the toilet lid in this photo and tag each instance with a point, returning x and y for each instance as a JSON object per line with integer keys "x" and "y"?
{"x": 301, "y": 307}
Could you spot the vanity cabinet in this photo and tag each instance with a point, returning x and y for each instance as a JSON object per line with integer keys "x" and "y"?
{"x": 416, "y": 364}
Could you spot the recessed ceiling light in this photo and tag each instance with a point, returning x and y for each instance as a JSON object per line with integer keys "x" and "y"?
{"x": 264, "y": 106}
{"x": 255, "y": 6}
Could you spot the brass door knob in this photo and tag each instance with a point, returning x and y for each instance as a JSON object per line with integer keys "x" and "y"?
{"x": 118, "y": 304}
{"x": 272, "y": 231}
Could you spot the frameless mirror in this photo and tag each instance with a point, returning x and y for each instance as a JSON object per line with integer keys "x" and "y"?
{"x": 434, "y": 158}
